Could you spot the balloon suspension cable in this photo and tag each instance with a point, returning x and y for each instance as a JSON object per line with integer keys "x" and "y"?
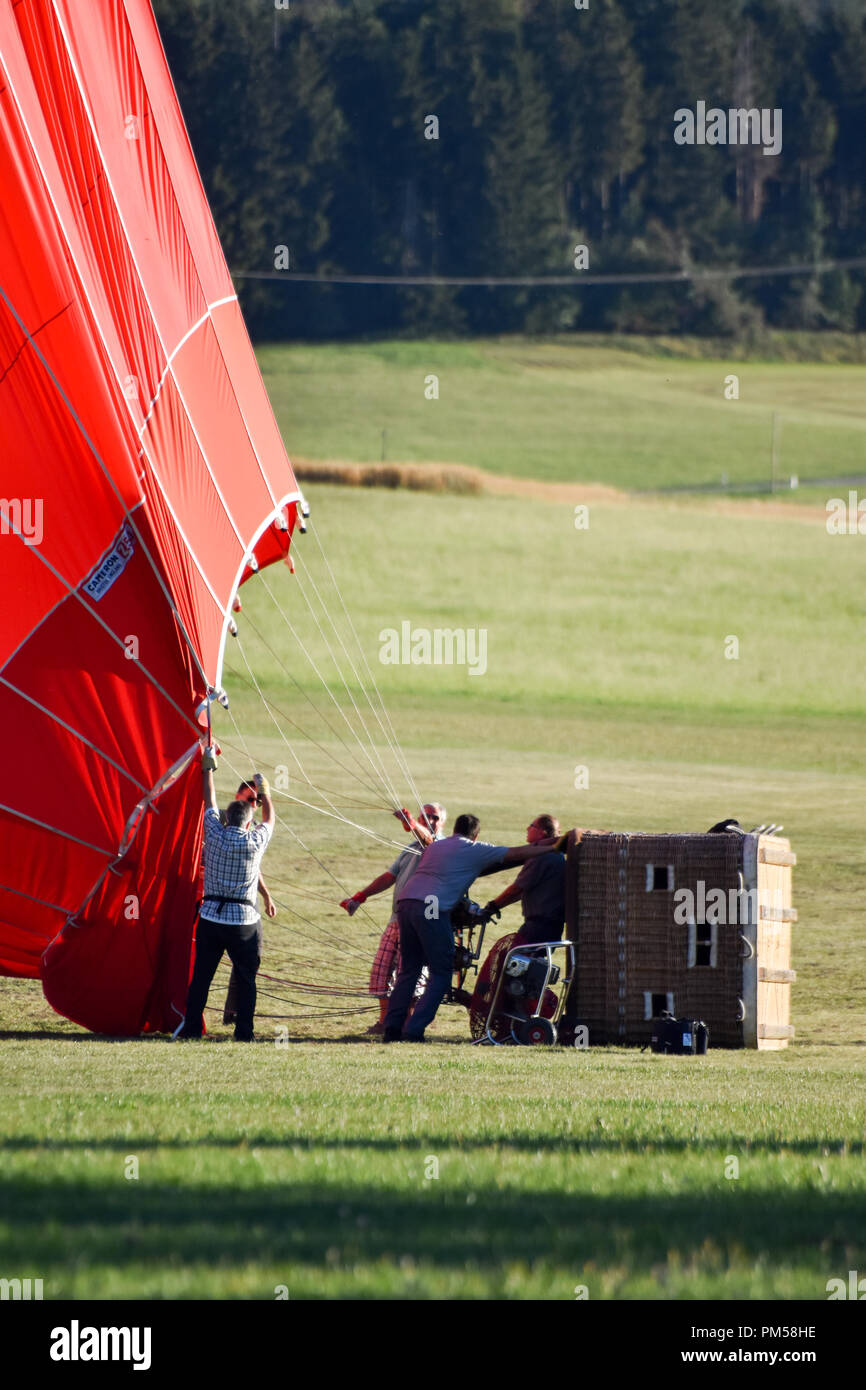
{"x": 373, "y": 767}
{"x": 295, "y": 836}
{"x": 402, "y": 760}
{"x": 381, "y": 771}
{"x": 363, "y": 780}
{"x": 334, "y": 811}
{"x": 382, "y": 781}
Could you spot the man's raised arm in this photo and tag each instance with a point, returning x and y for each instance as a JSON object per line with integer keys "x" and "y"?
{"x": 264, "y": 793}
{"x": 423, "y": 834}
{"x": 378, "y": 885}
{"x": 519, "y": 854}
{"x": 208, "y": 767}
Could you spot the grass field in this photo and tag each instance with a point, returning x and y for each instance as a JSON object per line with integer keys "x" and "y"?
{"x": 309, "y": 1165}
{"x": 561, "y": 411}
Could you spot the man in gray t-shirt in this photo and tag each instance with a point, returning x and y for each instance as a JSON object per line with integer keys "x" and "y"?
{"x": 447, "y": 869}
{"x": 386, "y": 963}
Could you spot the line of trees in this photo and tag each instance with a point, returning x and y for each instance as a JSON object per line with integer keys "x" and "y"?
{"x": 554, "y": 128}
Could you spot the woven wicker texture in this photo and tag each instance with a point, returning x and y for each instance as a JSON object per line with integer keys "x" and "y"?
{"x": 620, "y": 910}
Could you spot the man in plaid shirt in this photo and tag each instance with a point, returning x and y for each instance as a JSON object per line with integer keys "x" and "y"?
{"x": 229, "y": 919}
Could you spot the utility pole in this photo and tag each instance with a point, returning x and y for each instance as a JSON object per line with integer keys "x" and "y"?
{"x": 777, "y": 430}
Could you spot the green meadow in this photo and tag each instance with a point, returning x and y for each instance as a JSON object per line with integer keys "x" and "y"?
{"x": 637, "y": 414}
{"x": 695, "y": 661}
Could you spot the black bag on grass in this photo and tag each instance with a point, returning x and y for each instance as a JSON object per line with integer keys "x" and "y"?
{"x": 683, "y": 1036}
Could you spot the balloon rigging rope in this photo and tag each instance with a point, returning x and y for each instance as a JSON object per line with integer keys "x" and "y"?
{"x": 294, "y": 833}
{"x": 304, "y": 775}
{"x": 336, "y": 940}
{"x": 380, "y": 772}
{"x": 301, "y": 646}
{"x": 345, "y": 948}
{"x": 334, "y": 813}
{"x": 401, "y": 757}
{"x": 322, "y": 748}
{"x": 329, "y": 616}
{"x": 395, "y": 800}
{"x": 344, "y": 797}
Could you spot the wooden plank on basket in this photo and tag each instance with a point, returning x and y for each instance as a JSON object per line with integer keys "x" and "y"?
{"x": 776, "y": 977}
{"x": 769, "y": 853}
{"x": 776, "y": 1031}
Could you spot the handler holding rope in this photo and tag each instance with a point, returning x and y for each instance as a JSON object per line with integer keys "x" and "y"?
{"x": 424, "y": 906}
{"x": 387, "y": 961}
{"x": 229, "y": 918}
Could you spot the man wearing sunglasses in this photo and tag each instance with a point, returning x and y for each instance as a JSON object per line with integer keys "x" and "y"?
{"x": 539, "y": 888}
{"x": 246, "y": 792}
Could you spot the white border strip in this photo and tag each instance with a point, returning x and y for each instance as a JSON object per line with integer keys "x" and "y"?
{"x": 269, "y": 521}
{"x": 205, "y": 318}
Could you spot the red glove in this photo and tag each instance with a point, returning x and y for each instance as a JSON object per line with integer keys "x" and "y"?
{"x": 352, "y": 904}
{"x": 407, "y": 820}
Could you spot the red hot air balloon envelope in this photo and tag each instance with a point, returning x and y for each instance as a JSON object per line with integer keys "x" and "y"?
{"x": 143, "y": 479}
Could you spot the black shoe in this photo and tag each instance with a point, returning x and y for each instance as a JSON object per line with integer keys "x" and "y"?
{"x": 407, "y": 1037}
{"x": 392, "y": 1035}
{"x": 251, "y": 1037}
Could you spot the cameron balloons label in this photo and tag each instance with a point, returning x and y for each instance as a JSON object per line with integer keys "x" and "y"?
{"x": 113, "y": 564}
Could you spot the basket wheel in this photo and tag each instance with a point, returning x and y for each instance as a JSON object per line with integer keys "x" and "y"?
{"x": 537, "y": 1032}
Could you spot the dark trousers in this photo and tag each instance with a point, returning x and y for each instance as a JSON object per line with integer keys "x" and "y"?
{"x": 422, "y": 942}
{"x": 242, "y": 944}
{"x": 536, "y": 933}
{"x": 230, "y": 1009}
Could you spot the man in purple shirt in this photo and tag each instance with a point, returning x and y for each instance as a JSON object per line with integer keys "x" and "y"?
{"x": 424, "y": 905}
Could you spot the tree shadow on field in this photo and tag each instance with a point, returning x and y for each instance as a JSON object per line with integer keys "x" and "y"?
{"x": 342, "y": 1223}
{"x": 532, "y": 1143}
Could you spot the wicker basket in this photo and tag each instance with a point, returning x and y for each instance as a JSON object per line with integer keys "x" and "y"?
{"x": 698, "y": 924}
